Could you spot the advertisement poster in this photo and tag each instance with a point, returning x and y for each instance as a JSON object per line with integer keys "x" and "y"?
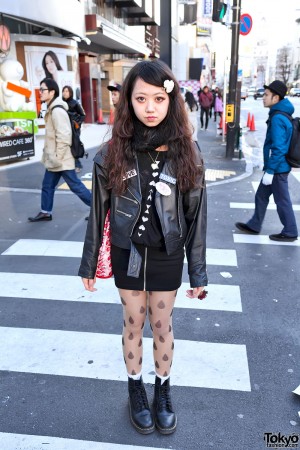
{"x": 58, "y": 63}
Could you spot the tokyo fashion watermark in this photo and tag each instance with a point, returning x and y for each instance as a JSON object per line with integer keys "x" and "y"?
{"x": 279, "y": 440}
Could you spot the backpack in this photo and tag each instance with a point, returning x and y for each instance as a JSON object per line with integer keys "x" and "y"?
{"x": 293, "y": 154}
{"x": 77, "y": 147}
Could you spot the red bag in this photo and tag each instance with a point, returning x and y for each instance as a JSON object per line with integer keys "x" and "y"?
{"x": 104, "y": 268}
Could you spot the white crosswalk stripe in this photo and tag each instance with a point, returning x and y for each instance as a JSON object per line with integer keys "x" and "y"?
{"x": 73, "y": 249}
{"x": 271, "y": 205}
{"x": 217, "y": 366}
{"x": 260, "y": 239}
{"x": 10, "y": 441}
{"x": 70, "y": 288}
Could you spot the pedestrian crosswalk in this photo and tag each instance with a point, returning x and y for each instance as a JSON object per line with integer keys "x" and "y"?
{"x": 78, "y": 354}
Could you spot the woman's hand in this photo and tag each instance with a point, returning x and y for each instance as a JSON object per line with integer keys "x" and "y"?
{"x": 89, "y": 284}
{"x": 195, "y": 292}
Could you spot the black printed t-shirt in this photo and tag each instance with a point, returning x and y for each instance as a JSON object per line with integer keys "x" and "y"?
{"x": 148, "y": 229}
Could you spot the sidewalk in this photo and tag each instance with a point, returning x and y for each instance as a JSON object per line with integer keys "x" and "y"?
{"x": 219, "y": 169}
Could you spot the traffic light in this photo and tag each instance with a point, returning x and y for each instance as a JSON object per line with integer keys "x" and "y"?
{"x": 219, "y": 10}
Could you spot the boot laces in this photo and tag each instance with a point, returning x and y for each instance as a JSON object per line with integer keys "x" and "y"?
{"x": 164, "y": 400}
{"x": 139, "y": 398}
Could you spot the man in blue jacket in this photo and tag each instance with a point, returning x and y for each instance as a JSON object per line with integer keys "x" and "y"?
{"x": 276, "y": 169}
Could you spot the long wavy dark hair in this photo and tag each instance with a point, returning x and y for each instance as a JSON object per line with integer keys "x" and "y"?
{"x": 176, "y": 130}
{"x": 190, "y": 99}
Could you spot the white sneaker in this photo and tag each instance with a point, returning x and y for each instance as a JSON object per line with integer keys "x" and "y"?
{"x": 202, "y": 128}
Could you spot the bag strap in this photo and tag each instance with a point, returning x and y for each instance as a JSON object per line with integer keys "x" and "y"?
{"x": 283, "y": 113}
{"x": 58, "y": 106}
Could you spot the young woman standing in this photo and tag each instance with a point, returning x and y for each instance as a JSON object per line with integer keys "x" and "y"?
{"x": 151, "y": 177}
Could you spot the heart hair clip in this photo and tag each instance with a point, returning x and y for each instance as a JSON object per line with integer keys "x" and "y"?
{"x": 169, "y": 86}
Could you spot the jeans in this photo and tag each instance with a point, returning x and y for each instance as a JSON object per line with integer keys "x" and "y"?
{"x": 50, "y": 182}
{"x": 206, "y": 112}
{"x": 280, "y": 190}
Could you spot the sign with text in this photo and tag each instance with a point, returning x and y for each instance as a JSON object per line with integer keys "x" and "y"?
{"x": 21, "y": 146}
{"x": 230, "y": 112}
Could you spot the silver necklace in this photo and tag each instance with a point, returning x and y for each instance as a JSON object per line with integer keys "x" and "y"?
{"x": 155, "y": 161}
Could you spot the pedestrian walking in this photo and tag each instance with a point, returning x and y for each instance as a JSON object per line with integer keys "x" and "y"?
{"x": 151, "y": 177}
{"x": 115, "y": 89}
{"x": 218, "y": 106}
{"x": 192, "y": 108}
{"x": 276, "y": 168}
{"x": 78, "y": 115}
{"x": 57, "y": 157}
{"x": 205, "y": 100}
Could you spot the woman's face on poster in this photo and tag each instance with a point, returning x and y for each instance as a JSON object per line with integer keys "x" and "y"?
{"x": 50, "y": 64}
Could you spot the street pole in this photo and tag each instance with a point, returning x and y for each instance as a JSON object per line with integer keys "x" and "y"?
{"x": 165, "y": 32}
{"x": 233, "y": 126}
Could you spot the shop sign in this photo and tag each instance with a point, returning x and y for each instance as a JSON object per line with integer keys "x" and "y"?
{"x": 12, "y": 147}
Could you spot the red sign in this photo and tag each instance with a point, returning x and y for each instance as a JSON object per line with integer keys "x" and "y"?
{"x": 245, "y": 24}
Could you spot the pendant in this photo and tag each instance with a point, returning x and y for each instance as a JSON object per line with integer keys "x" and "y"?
{"x": 163, "y": 188}
{"x": 154, "y": 165}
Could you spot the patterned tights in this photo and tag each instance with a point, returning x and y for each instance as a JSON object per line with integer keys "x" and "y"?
{"x": 160, "y": 308}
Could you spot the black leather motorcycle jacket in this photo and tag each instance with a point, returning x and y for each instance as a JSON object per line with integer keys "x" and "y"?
{"x": 183, "y": 218}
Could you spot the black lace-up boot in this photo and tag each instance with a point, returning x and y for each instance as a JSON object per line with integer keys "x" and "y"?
{"x": 139, "y": 411}
{"x": 164, "y": 416}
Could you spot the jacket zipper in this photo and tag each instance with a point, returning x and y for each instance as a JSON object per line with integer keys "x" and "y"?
{"x": 125, "y": 214}
{"x": 179, "y": 215}
{"x": 138, "y": 215}
{"x": 145, "y": 267}
{"x": 130, "y": 199}
{"x": 132, "y": 195}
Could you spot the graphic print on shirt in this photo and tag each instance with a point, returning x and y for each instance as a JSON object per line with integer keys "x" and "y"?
{"x": 155, "y": 167}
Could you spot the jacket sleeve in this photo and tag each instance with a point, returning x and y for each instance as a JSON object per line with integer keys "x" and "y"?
{"x": 63, "y": 132}
{"x": 99, "y": 208}
{"x": 281, "y": 133}
{"x": 195, "y": 208}
{"x": 80, "y": 114}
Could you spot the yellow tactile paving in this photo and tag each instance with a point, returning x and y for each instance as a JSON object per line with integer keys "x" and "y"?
{"x": 87, "y": 183}
{"x": 214, "y": 174}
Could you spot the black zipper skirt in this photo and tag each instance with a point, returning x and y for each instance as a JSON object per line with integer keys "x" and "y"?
{"x": 159, "y": 271}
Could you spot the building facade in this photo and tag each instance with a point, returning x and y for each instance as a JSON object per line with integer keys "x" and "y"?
{"x": 90, "y": 43}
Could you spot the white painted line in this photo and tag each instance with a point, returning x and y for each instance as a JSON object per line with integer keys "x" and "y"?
{"x": 296, "y": 174}
{"x": 255, "y": 185}
{"x": 271, "y": 206}
{"x": 70, "y": 288}
{"x": 11, "y": 441}
{"x": 41, "y": 247}
{"x": 69, "y": 353}
{"x": 260, "y": 239}
{"x": 221, "y": 297}
{"x": 73, "y": 249}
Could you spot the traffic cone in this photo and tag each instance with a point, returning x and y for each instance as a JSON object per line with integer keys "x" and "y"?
{"x": 249, "y": 120}
{"x": 252, "y": 125}
{"x": 100, "y": 117}
{"x": 111, "y": 117}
